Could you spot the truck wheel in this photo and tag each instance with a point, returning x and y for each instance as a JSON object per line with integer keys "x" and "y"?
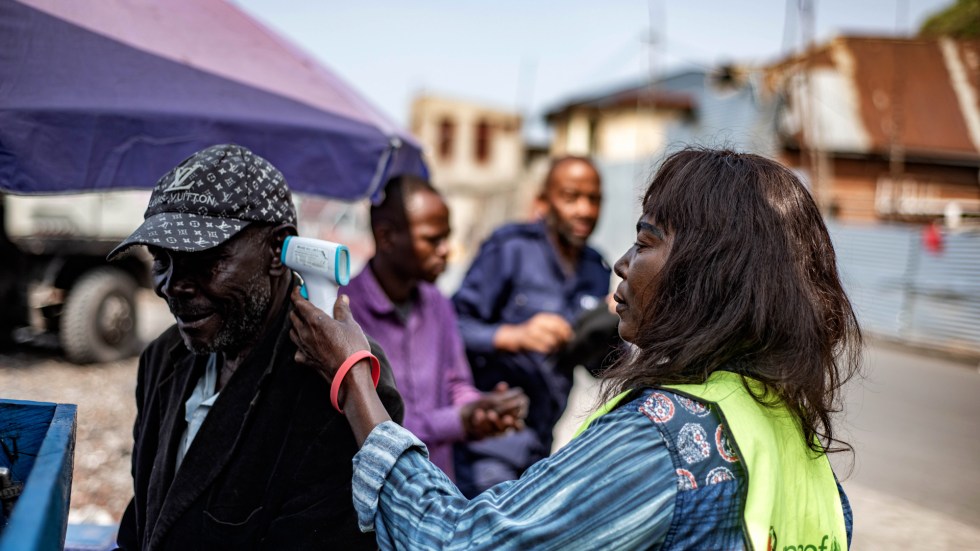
{"x": 98, "y": 320}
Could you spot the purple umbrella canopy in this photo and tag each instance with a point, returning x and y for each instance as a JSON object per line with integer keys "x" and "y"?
{"x": 110, "y": 94}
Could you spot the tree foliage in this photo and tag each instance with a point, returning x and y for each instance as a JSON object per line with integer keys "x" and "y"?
{"x": 959, "y": 20}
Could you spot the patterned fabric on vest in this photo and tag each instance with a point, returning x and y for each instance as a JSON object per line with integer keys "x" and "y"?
{"x": 710, "y": 478}
{"x": 711, "y": 481}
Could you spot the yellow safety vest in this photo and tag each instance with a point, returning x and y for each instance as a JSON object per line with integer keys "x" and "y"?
{"x": 792, "y": 503}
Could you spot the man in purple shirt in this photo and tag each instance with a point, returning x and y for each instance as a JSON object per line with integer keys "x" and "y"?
{"x": 395, "y": 302}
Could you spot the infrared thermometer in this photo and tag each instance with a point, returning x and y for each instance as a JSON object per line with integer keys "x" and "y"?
{"x": 323, "y": 265}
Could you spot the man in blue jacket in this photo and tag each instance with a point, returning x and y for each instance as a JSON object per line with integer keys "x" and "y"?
{"x": 527, "y": 289}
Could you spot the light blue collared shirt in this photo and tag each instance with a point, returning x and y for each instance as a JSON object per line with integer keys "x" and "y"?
{"x": 196, "y": 407}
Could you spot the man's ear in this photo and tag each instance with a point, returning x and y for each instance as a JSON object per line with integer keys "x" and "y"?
{"x": 276, "y": 241}
{"x": 539, "y": 207}
{"x": 384, "y": 236}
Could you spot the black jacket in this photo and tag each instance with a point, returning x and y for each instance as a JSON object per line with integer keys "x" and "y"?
{"x": 270, "y": 467}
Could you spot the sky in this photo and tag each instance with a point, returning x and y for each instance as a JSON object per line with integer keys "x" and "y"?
{"x": 531, "y": 55}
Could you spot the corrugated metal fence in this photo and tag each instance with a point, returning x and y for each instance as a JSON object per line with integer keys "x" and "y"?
{"x": 903, "y": 291}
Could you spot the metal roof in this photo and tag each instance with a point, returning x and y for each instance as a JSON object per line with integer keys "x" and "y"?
{"x": 872, "y": 95}
{"x": 671, "y": 92}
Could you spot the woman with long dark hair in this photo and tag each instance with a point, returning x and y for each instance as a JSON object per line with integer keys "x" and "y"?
{"x": 716, "y": 422}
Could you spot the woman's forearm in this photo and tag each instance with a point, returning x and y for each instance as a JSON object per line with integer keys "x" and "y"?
{"x": 361, "y": 403}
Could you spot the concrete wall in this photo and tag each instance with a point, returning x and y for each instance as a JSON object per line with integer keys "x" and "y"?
{"x": 461, "y": 168}
{"x": 481, "y": 195}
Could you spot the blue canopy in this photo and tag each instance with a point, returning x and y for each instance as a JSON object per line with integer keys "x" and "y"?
{"x": 111, "y": 94}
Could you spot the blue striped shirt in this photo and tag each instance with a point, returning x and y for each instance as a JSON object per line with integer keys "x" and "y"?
{"x": 613, "y": 487}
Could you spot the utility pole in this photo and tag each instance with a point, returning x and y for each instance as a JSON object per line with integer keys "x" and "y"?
{"x": 646, "y": 96}
{"x": 896, "y": 146}
{"x": 811, "y": 145}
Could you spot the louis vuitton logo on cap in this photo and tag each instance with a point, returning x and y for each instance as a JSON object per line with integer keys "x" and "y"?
{"x": 181, "y": 174}
{"x": 226, "y": 187}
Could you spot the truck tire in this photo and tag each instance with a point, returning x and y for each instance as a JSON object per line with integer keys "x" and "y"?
{"x": 98, "y": 320}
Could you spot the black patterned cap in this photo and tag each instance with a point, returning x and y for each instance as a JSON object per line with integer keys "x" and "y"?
{"x": 209, "y": 197}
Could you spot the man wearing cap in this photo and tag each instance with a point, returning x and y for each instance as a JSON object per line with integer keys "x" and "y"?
{"x": 234, "y": 445}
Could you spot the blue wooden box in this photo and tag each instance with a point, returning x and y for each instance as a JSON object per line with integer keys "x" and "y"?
{"x": 37, "y": 444}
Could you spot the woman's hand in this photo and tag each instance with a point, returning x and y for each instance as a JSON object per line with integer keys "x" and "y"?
{"x": 322, "y": 342}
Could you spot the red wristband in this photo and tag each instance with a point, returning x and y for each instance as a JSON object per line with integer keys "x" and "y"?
{"x": 350, "y": 362}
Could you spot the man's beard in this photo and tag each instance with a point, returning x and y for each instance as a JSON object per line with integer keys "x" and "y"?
{"x": 242, "y": 321}
{"x": 563, "y": 230}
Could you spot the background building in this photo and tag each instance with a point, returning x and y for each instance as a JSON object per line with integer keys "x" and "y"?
{"x": 628, "y": 130}
{"x": 479, "y": 160}
{"x": 884, "y": 129}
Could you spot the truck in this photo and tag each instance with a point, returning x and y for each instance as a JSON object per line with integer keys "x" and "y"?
{"x": 56, "y": 285}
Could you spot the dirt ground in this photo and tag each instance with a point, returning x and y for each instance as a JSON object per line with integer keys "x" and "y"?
{"x": 104, "y": 393}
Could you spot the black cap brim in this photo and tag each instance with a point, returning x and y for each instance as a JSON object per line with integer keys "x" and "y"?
{"x": 181, "y": 231}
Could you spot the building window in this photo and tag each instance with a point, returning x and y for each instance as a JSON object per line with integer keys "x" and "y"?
{"x": 593, "y": 135}
{"x": 446, "y": 130}
{"x": 482, "y": 152}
